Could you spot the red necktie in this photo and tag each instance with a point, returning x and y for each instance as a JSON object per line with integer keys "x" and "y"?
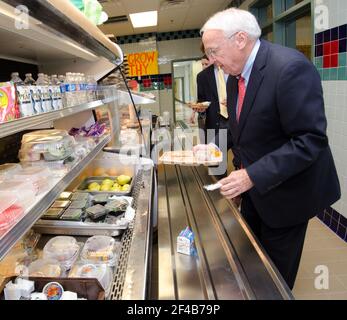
{"x": 242, "y": 93}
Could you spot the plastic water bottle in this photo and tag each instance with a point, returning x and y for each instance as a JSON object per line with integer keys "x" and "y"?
{"x": 16, "y": 79}
{"x": 23, "y": 94}
{"x": 66, "y": 90}
{"x": 29, "y": 80}
{"x": 43, "y": 94}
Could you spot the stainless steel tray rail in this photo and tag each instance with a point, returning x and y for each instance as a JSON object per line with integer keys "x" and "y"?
{"x": 230, "y": 264}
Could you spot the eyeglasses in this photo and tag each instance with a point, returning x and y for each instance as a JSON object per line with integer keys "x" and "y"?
{"x": 213, "y": 52}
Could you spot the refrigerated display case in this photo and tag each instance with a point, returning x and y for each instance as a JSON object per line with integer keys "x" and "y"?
{"x": 57, "y": 39}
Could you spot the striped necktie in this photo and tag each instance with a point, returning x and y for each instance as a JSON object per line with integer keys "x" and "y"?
{"x": 242, "y": 93}
{"x": 222, "y": 93}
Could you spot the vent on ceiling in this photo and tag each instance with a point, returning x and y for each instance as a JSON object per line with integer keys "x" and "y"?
{"x": 171, "y": 3}
{"x": 116, "y": 19}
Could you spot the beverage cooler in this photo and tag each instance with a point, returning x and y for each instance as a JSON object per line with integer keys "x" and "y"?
{"x": 77, "y": 184}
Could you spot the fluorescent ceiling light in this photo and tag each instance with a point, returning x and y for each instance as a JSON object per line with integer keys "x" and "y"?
{"x": 144, "y": 19}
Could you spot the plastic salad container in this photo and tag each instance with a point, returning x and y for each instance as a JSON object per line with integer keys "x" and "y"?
{"x": 10, "y": 212}
{"x": 8, "y": 169}
{"x": 45, "y": 268}
{"x": 52, "y": 146}
{"x": 102, "y": 272}
{"x": 63, "y": 249}
{"x": 40, "y": 177}
{"x": 100, "y": 249}
{"x": 23, "y": 191}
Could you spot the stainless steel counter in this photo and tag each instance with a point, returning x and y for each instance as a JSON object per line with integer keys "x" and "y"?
{"x": 229, "y": 264}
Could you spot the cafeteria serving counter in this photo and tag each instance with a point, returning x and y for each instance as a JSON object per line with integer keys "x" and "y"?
{"x": 229, "y": 264}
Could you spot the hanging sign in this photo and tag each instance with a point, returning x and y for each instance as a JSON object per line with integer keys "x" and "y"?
{"x": 143, "y": 63}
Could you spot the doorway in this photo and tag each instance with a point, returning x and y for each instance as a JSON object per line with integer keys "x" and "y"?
{"x": 185, "y": 90}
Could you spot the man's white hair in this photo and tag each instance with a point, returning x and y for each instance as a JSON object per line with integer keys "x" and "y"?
{"x": 233, "y": 20}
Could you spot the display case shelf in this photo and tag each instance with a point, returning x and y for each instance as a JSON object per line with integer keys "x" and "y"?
{"x": 11, "y": 127}
{"x": 53, "y": 30}
{"x": 43, "y": 202}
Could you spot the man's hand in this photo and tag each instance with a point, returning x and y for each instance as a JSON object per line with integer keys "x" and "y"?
{"x": 198, "y": 107}
{"x": 235, "y": 184}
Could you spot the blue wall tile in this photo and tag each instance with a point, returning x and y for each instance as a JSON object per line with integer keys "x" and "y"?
{"x": 333, "y": 225}
{"x": 327, "y": 35}
{"x": 343, "y": 31}
{"x": 341, "y": 231}
{"x": 334, "y": 34}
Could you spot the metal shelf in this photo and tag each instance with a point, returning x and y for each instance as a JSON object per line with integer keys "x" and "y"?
{"x": 55, "y": 30}
{"x": 36, "y": 211}
{"x": 21, "y": 124}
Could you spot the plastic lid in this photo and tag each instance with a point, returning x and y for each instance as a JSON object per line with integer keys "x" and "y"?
{"x": 9, "y": 168}
{"x": 61, "y": 248}
{"x": 45, "y": 268}
{"x": 32, "y": 173}
{"x": 7, "y": 202}
{"x": 43, "y": 133}
{"x": 100, "y": 249}
{"x": 101, "y": 272}
{"x": 10, "y": 216}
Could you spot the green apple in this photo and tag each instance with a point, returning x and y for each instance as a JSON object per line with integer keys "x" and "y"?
{"x": 105, "y": 187}
{"x": 126, "y": 187}
{"x": 94, "y": 186}
{"x": 123, "y": 179}
{"x": 107, "y": 182}
{"x": 116, "y": 188}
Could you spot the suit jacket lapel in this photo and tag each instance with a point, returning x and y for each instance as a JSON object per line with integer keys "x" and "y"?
{"x": 254, "y": 83}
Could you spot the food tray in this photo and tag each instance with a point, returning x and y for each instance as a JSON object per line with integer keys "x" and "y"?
{"x": 83, "y": 187}
{"x": 77, "y": 228}
{"x": 187, "y": 158}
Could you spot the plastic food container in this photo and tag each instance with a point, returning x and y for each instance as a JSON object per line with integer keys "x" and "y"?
{"x": 28, "y": 137}
{"x": 23, "y": 191}
{"x": 100, "y": 249}
{"x": 101, "y": 272}
{"x": 63, "y": 249}
{"x": 72, "y": 215}
{"x": 61, "y": 204}
{"x": 53, "y": 214}
{"x": 46, "y": 268}
{"x": 118, "y": 205}
{"x": 101, "y": 199}
{"x": 96, "y": 211}
{"x": 52, "y": 147}
{"x": 78, "y": 204}
{"x": 40, "y": 177}
{"x": 8, "y": 169}
{"x": 66, "y": 195}
{"x": 79, "y": 196}
{"x": 10, "y": 212}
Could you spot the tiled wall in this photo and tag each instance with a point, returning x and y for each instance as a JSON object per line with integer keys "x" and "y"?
{"x": 331, "y": 53}
{"x": 330, "y": 59}
{"x": 171, "y": 46}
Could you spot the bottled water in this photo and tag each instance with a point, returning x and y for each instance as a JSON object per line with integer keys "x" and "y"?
{"x": 43, "y": 92}
{"x": 16, "y": 79}
{"x": 23, "y": 94}
{"x": 69, "y": 90}
{"x": 91, "y": 88}
{"x": 29, "y": 80}
{"x": 55, "y": 92}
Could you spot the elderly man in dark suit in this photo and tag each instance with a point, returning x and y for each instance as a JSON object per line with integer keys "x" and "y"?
{"x": 278, "y": 126}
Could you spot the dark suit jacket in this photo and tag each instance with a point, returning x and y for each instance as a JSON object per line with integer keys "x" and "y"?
{"x": 281, "y": 138}
{"x": 207, "y": 91}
